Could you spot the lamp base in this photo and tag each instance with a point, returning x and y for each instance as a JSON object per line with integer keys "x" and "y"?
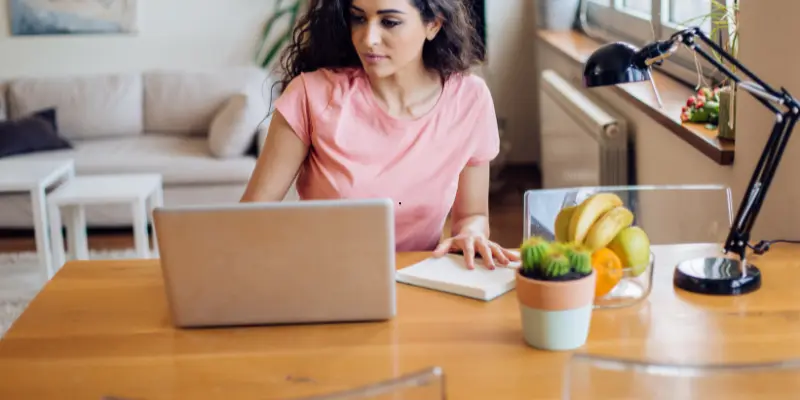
{"x": 717, "y": 276}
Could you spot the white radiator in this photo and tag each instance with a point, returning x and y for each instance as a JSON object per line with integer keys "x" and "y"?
{"x": 582, "y": 144}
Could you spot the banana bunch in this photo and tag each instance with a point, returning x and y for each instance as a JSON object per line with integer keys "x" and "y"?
{"x": 594, "y": 223}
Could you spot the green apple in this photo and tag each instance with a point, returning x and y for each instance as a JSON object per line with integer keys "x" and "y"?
{"x": 632, "y": 246}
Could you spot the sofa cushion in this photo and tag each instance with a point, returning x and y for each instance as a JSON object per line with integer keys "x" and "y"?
{"x": 185, "y": 102}
{"x": 31, "y": 134}
{"x": 88, "y": 106}
{"x": 180, "y": 160}
{"x": 234, "y": 128}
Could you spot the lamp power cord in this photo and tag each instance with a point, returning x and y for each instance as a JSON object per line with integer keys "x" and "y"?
{"x": 764, "y": 245}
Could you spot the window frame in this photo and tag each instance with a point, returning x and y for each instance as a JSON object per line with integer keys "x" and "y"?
{"x": 602, "y": 16}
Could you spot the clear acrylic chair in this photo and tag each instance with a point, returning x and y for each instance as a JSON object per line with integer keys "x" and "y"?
{"x": 427, "y": 384}
{"x": 590, "y": 377}
{"x": 670, "y": 214}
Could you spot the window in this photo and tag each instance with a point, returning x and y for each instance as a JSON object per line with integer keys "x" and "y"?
{"x": 687, "y": 12}
{"x": 637, "y": 6}
{"x": 643, "y": 21}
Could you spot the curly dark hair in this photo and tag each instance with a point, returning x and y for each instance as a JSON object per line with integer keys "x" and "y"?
{"x": 321, "y": 39}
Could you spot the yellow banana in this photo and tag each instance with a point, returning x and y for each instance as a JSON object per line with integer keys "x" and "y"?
{"x": 562, "y": 223}
{"x": 607, "y": 227}
{"x": 588, "y": 212}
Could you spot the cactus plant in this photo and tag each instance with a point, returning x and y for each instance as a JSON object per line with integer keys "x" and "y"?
{"x": 554, "y": 261}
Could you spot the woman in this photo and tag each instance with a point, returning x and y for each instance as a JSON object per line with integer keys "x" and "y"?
{"x": 377, "y": 101}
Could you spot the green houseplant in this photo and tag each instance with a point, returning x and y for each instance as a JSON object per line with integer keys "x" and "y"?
{"x": 275, "y": 36}
{"x": 724, "y": 19}
{"x": 555, "y": 287}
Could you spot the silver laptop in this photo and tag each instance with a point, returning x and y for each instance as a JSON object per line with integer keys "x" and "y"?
{"x": 313, "y": 261}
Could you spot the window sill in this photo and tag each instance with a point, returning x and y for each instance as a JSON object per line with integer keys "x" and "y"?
{"x": 578, "y": 47}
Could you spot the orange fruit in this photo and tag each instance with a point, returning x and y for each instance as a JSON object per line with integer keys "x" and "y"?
{"x": 608, "y": 267}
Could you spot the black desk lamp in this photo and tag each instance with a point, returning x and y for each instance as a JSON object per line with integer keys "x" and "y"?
{"x": 618, "y": 63}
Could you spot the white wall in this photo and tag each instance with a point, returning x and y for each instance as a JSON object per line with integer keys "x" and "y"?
{"x": 764, "y": 50}
{"x": 172, "y": 34}
{"x": 511, "y": 73}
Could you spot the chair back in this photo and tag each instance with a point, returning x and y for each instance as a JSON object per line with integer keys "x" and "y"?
{"x": 593, "y": 377}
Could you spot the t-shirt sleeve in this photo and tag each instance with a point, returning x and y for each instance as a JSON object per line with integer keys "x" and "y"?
{"x": 486, "y": 144}
{"x": 293, "y": 105}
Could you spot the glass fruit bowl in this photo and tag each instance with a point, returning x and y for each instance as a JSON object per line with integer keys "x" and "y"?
{"x": 660, "y": 211}
{"x": 617, "y": 288}
{"x": 620, "y": 283}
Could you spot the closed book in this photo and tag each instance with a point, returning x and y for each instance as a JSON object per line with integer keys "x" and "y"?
{"x": 450, "y": 274}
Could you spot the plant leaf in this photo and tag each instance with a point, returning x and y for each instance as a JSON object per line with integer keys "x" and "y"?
{"x": 280, "y": 11}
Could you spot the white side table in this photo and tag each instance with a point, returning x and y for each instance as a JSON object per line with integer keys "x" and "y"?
{"x": 36, "y": 177}
{"x": 143, "y": 192}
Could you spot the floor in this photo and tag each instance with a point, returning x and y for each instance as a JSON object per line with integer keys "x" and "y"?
{"x": 505, "y": 213}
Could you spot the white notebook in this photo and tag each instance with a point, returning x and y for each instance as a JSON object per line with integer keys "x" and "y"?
{"x": 450, "y": 274}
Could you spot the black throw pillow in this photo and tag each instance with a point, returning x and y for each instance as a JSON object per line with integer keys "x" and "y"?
{"x": 34, "y": 133}
{"x": 48, "y": 115}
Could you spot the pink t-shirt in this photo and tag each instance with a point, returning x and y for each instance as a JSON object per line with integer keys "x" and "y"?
{"x": 357, "y": 150}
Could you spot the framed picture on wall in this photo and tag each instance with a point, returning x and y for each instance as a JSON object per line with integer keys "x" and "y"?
{"x": 72, "y": 17}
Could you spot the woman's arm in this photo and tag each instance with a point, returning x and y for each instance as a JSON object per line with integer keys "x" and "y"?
{"x": 278, "y": 163}
{"x": 470, "y": 220}
{"x": 470, "y": 213}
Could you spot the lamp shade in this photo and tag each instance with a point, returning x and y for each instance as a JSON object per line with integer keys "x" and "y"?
{"x": 612, "y": 64}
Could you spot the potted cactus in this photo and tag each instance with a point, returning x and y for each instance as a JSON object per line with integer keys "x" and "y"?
{"x": 555, "y": 287}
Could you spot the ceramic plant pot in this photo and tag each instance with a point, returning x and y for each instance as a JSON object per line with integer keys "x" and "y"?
{"x": 556, "y": 315}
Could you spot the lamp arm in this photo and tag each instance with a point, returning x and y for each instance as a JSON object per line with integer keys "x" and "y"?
{"x": 762, "y": 92}
{"x": 687, "y": 37}
{"x": 739, "y": 234}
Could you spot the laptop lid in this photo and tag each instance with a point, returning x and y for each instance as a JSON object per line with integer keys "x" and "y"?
{"x": 277, "y": 263}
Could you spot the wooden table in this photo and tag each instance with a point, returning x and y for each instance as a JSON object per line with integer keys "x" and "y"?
{"x": 102, "y": 328}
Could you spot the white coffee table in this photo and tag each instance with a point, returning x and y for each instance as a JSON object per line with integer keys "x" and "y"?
{"x": 143, "y": 192}
{"x": 36, "y": 177}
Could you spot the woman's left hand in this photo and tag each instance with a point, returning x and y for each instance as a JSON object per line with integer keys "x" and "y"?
{"x": 469, "y": 243}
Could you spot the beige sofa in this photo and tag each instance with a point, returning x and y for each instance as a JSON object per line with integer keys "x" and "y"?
{"x": 194, "y": 127}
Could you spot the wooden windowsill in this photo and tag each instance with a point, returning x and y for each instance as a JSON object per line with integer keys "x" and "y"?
{"x": 578, "y": 47}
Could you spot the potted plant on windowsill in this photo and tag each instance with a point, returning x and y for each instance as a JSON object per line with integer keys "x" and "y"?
{"x": 555, "y": 287}
{"x": 716, "y": 105}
